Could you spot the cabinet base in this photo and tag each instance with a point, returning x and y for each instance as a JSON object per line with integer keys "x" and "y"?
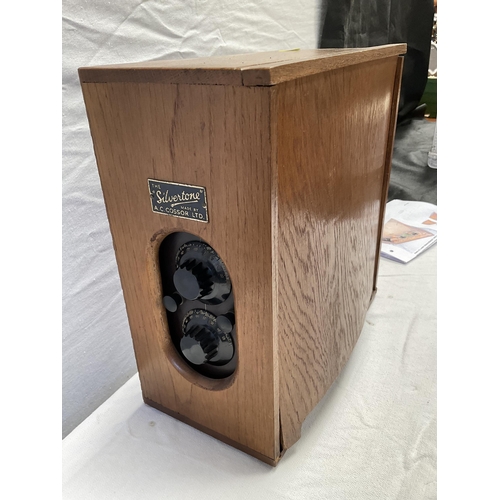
{"x": 220, "y": 437}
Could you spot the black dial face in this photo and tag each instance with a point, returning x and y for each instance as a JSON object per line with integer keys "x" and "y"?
{"x": 198, "y": 298}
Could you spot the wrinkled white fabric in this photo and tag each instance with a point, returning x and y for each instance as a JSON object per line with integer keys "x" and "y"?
{"x": 97, "y": 348}
{"x": 373, "y": 436}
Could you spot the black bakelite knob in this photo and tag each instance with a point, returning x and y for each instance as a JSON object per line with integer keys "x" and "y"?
{"x": 203, "y": 342}
{"x": 172, "y": 302}
{"x": 193, "y": 280}
{"x": 199, "y": 345}
{"x": 225, "y": 322}
{"x": 201, "y": 274}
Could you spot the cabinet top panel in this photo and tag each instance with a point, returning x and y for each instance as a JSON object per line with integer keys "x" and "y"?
{"x": 257, "y": 69}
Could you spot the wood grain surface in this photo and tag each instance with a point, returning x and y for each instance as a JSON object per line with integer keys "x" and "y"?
{"x": 265, "y": 68}
{"x": 333, "y": 131}
{"x": 216, "y": 137}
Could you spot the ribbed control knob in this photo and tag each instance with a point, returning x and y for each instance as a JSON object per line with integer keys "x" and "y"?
{"x": 193, "y": 280}
{"x": 203, "y": 341}
{"x": 199, "y": 345}
{"x": 201, "y": 274}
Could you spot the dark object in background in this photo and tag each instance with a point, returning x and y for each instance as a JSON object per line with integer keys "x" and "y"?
{"x": 429, "y": 97}
{"x": 365, "y": 23}
{"x": 411, "y": 178}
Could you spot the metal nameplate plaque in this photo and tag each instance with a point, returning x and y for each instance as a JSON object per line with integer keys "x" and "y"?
{"x": 178, "y": 200}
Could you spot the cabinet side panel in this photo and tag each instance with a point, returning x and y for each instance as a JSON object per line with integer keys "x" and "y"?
{"x": 388, "y": 161}
{"x": 216, "y": 137}
{"x": 331, "y": 154}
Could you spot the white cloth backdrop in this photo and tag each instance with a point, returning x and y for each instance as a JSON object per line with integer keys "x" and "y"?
{"x": 97, "y": 349}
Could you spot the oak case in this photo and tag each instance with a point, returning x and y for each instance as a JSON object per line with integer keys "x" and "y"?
{"x": 294, "y": 151}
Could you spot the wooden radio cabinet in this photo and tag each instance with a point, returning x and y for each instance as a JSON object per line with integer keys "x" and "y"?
{"x": 245, "y": 196}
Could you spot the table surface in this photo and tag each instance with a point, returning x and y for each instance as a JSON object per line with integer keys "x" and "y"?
{"x": 373, "y": 435}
